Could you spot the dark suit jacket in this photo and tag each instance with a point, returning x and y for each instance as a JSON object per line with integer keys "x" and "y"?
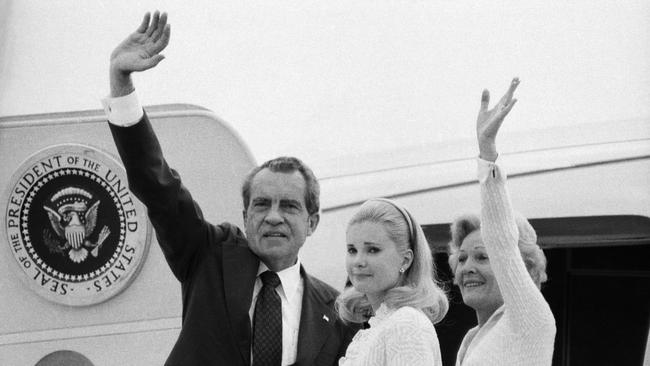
{"x": 216, "y": 269}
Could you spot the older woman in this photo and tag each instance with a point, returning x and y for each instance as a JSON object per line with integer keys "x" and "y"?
{"x": 390, "y": 266}
{"x": 498, "y": 265}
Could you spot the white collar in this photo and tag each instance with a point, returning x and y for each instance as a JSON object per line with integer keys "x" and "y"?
{"x": 289, "y": 279}
{"x": 380, "y": 315}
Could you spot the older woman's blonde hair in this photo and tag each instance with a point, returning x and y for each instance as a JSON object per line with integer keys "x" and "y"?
{"x": 531, "y": 253}
{"x": 418, "y": 286}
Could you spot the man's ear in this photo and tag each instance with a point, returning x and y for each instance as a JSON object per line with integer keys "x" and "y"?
{"x": 313, "y": 220}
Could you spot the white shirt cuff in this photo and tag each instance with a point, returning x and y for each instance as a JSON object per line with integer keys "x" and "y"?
{"x": 489, "y": 169}
{"x": 123, "y": 111}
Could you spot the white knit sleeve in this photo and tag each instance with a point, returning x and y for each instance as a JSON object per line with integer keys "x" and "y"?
{"x": 524, "y": 303}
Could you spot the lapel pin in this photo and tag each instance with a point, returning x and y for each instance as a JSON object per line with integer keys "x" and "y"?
{"x": 326, "y": 318}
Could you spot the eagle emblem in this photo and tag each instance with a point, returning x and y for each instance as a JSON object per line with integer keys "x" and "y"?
{"x": 73, "y": 223}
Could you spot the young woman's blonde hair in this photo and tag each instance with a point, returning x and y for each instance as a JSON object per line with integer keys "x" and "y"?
{"x": 418, "y": 286}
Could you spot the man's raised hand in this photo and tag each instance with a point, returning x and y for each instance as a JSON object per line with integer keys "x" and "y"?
{"x": 138, "y": 52}
{"x": 141, "y": 50}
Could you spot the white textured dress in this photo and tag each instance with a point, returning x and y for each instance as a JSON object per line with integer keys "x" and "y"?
{"x": 522, "y": 331}
{"x": 402, "y": 337}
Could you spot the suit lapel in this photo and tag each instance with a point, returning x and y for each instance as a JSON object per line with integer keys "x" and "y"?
{"x": 239, "y": 272}
{"x": 316, "y": 322}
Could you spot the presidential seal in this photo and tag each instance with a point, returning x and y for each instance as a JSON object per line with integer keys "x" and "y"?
{"x": 77, "y": 233}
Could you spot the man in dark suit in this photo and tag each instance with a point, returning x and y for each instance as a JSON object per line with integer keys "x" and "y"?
{"x": 246, "y": 299}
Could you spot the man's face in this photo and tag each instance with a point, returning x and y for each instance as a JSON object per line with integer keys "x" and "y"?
{"x": 276, "y": 219}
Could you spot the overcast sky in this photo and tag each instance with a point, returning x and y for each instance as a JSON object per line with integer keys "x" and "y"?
{"x": 319, "y": 79}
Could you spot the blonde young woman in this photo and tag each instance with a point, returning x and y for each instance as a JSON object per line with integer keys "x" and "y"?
{"x": 390, "y": 266}
{"x": 498, "y": 265}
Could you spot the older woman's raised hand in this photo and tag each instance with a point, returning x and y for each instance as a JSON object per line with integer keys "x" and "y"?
{"x": 489, "y": 121}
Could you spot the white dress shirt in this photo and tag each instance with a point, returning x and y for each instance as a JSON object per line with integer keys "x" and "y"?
{"x": 290, "y": 290}
{"x": 123, "y": 111}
